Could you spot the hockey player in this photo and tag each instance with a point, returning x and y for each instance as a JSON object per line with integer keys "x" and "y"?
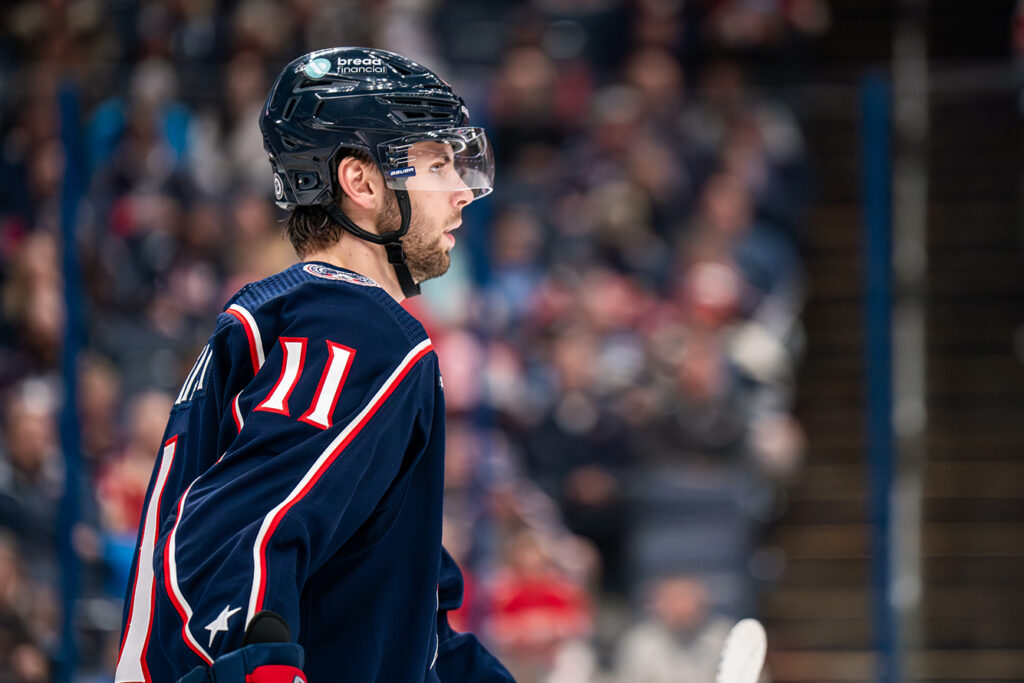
{"x": 292, "y": 526}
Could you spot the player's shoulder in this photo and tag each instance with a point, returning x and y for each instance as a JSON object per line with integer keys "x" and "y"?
{"x": 319, "y": 280}
{"x": 320, "y": 300}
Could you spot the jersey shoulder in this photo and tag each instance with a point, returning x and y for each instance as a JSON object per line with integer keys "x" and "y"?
{"x": 318, "y": 300}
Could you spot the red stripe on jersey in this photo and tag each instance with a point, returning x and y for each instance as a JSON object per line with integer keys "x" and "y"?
{"x": 250, "y": 335}
{"x": 323, "y": 463}
{"x": 236, "y": 411}
{"x": 173, "y": 592}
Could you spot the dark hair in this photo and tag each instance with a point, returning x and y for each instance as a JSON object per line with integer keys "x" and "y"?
{"x": 311, "y": 228}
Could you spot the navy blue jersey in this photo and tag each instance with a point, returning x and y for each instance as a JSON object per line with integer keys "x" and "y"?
{"x": 301, "y": 472}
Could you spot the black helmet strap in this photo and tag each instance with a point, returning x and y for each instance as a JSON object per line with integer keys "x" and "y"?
{"x": 396, "y": 255}
{"x": 392, "y": 241}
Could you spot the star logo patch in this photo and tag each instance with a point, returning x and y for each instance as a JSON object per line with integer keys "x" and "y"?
{"x": 221, "y": 622}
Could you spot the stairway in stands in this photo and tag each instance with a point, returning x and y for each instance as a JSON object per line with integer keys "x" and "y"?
{"x": 974, "y": 505}
{"x": 818, "y": 616}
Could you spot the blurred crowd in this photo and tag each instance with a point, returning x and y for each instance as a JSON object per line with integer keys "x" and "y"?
{"x": 618, "y": 334}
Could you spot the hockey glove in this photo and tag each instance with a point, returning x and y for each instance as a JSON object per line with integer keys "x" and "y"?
{"x": 266, "y": 656}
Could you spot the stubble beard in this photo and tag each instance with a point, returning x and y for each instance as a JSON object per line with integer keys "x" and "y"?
{"x": 424, "y": 255}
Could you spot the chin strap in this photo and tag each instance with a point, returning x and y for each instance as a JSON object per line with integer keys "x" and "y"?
{"x": 392, "y": 241}
{"x": 396, "y": 257}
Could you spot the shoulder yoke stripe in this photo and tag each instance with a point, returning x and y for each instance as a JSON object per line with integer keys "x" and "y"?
{"x": 252, "y": 332}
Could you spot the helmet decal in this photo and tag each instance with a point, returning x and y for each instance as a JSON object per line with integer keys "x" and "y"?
{"x": 364, "y": 65}
{"x": 317, "y": 68}
{"x": 402, "y": 172}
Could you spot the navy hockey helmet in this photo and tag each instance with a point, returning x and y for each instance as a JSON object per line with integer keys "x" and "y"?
{"x": 378, "y": 102}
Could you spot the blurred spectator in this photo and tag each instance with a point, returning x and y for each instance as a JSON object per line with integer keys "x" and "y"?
{"x": 517, "y": 270}
{"x": 579, "y": 448}
{"x": 535, "y": 609}
{"x": 34, "y": 309}
{"x": 142, "y": 139}
{"x": 31, "y": 475}
{"x": 21, "y": 658}
{"x": 98, "y": 407}
{"x": 122, "y": 481}
{"x": 258, "y": 245}
{"x": 524, "y": 101}
{"x": 226, "y": 150}
{"x": 658, "y": 77}
{"x": 762, "y": 29}
{"x": 731, "y": 128}
{"x": 679, "y": 639}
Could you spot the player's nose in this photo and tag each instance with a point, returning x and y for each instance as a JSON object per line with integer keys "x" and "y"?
{"x": 462, "y": 196}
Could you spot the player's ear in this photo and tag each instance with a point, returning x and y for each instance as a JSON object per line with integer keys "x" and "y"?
{"x": 361, "y": 182}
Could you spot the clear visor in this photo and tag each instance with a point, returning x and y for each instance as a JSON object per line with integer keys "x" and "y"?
{"x": 450, "y": 160}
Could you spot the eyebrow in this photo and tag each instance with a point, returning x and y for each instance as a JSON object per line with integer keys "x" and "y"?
{"x": 438, "y": 154}
{"x": 437, "y": 150}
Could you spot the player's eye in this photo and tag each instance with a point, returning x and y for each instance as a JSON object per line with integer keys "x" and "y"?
{"x": 439, "y": 165}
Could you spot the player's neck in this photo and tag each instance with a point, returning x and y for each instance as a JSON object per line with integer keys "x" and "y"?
{"x": 365, "y": 258}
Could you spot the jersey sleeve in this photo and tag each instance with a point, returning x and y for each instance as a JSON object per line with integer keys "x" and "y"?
{"x": 327, "y": 430}
{"x": 461, "y": 657}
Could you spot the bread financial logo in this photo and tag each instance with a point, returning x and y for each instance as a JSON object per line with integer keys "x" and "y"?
{"x": 361, "y": 65}
{"x": 317, "y": 68}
